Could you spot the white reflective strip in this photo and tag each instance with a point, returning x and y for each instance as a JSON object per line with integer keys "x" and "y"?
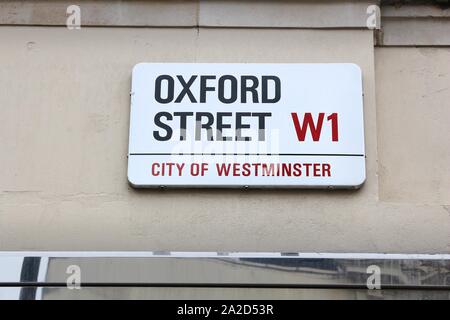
{"x": 184, "y": 254}
{"x": 43, "y": 266}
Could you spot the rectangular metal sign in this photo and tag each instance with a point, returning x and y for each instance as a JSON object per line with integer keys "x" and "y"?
{"x": 239, "y": 125}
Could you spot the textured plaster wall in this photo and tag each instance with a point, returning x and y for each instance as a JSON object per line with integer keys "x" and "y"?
{"x": 64, "y": 105}
{"x": 413, "y": 102}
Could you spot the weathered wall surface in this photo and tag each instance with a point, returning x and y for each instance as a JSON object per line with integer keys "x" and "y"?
{"x": 413, "y": 95}
{"x": 64, "y": 105}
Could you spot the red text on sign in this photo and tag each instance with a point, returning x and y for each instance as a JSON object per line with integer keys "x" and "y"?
{"x": 315, "y": 129}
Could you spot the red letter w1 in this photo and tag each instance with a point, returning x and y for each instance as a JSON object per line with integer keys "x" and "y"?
{"x": 308, "y": 121}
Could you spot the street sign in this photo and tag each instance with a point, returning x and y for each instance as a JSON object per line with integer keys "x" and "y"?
{"x": 246, "y": 125}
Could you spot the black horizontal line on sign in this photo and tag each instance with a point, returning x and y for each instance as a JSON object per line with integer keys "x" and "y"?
{"x": 248, "y": 154}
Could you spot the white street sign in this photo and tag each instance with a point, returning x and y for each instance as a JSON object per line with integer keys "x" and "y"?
{"x": 255, "y": 125}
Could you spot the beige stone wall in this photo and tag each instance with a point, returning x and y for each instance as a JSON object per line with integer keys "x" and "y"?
{"x": 64, "y": 106}
{"x": 413, "y": 110}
